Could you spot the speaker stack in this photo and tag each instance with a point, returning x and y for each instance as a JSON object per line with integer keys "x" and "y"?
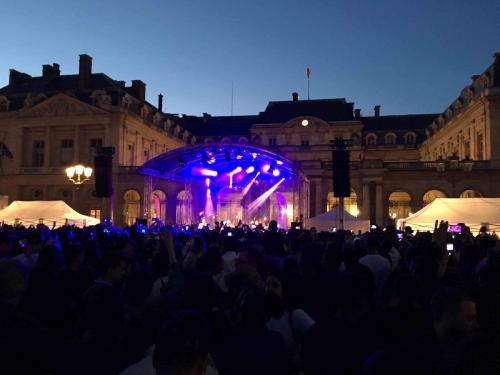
{"x": 103, "y": 172}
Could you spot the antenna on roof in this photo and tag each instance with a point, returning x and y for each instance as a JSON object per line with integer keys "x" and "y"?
{"x": 308, "y": 73}
{"x": 232, "y": 97}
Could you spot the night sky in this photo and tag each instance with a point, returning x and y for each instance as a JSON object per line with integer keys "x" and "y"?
{"x": 408, "y": 56}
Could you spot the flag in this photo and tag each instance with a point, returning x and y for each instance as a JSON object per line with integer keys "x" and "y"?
{"x": 308, "y": 72}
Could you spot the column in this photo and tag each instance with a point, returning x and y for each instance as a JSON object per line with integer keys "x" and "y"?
{"x": 365, "y": 208}
{"x": 380, "y": 211}
{"x": 319, "y": 197}
{"x": 47, "y": 147}
{"x": 148, "y": 190}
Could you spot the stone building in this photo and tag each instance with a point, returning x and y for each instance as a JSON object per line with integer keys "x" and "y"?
{"x": 398, "y": 162}
{"x": 52, "y": 121}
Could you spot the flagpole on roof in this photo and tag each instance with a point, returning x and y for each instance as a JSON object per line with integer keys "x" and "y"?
{"x": 308, "y": 73}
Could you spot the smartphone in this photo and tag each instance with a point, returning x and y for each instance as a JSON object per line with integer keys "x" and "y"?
{"x": 449, "y": 248}
{"x": 230, "y": 234}
{"x": 334, "y": 229}
{"x": 373, "y": 226}
{"x": 455, "y": 229}
{"x": 187, "y": 227}
{"x": 23, "y": 243}
{"x": 297, "y": 227}
{"x": 400, "y": 236}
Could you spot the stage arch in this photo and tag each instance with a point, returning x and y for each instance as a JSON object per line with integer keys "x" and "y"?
{"x": 231, "y": 183}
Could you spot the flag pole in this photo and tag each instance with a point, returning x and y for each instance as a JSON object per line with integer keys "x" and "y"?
{"x": 308, "y": 73}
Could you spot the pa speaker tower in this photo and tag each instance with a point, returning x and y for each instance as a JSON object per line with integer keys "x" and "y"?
{"x": 103, "y": 172}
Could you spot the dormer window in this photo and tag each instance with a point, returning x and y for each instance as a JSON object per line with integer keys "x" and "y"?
{"x": 371, "y": 139}
{"x": 390, "y": 139}
{"x": 410, "y": 138}
{"x": 4, "y": 104}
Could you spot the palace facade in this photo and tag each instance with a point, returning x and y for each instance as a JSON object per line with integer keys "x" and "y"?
{"x": 399, "y": 163}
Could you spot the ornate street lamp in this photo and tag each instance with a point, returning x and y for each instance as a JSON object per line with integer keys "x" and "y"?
{"x": 78, "y": 174}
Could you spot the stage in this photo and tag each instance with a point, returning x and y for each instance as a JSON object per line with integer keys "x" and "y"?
{"x": 231, "y": 183}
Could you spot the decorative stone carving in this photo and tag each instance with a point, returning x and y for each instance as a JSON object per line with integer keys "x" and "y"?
{"x": 101, "y": 99}
{"x": 4, "y": 103}
{"x": 33, "y": 99}
{"x": 127, "y": 101}
{"x": 61, "y": 105}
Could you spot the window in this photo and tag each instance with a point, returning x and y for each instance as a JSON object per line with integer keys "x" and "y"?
{"x": 390, "y": 139}
{"x": 130, "y": 154}
{"x": 480, "y": 147}
{"x": 371, "y": 139}
{"x": 95, "y": 212}
{"x": 38, "y": 153}
{"x": 146, "y": 155}
{"x": 410, "y": 138}
{"x": 304, "y": 143}
{"x": 94, "y": 144}
{"x": 66, "y": 151}
{"x": 272, "y": 141}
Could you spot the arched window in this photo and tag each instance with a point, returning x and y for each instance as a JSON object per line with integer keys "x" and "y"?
{"x": 158, "y": 203}
{"x": 350, "y": 203}
{"x": 243, "y": 141}
{"x": 390, "y": 139}
{"x": 471, "y": 194}
{"x": 430, "y": 195}
{"x": 399, "y": 205}
{"x": 132, "y": 206}
{"x": 371, "y": 139}
{"x": 226, "y": 140}
{"x": 410, "y": 138}
{"x": 184, "y": 208}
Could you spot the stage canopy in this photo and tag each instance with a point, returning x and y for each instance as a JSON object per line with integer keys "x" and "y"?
{"x": 33, "y": 212}
{"x": 229, "y": 182}
{"x": 328, "y": 220}
{"x": 474, "y": 212}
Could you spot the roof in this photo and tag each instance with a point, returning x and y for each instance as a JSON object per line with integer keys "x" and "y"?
{"x": 218, "y": 125}
{"x": 398, "y": 122}
{"x": 326, "y": 109}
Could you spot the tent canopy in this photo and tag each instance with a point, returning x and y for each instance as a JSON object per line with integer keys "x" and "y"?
{"x": 33, "y": 212}
{"x": 473, "y": 212}
{"x": 328, "y": 220}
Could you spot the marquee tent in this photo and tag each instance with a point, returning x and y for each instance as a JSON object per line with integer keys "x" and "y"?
{"x": 328, "y": 220}
{"x": 48, "y": 212}
{"x": 474, "y": 212}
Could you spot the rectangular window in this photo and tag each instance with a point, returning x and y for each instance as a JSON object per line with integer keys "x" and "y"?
{"x": 272, "y": 141}
{"x": 38, "y": 153}
{"x": 130, "y": 154}
{"x": 66, "y": 151}
{"x": 94, "y": 144}
{"x": 146, "y": 155}
{"x": 95, "y": 212}
{"x": 480, "y": 147}
{"x": 304, "y": 143}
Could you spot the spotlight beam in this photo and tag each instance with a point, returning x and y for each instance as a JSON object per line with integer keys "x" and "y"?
{"x": 260, "y": 200}
{"x": 246, "y": 189}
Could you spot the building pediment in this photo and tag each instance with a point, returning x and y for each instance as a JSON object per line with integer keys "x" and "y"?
{"x": 61, "y": 105}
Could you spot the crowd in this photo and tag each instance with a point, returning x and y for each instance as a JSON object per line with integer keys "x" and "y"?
{"x": 183, "y": 300}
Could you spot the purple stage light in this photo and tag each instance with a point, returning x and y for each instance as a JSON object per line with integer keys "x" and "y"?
{"x": 276, "y": 172}
{"x": 207, "y": 182}
{"x": 250, "y": 169}
{"x": 279, "y": 162}
{"x": 265, "y": 168}
{"x": 237, "y": 170}
{"x": 205, "y": 172}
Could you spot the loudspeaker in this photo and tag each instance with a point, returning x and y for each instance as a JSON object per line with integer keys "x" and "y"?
{"x": 341, "y": 175}
{"x": 103, "y": 176}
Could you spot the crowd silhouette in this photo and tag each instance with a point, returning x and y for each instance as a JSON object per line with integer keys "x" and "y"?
{"x": 183, "y": 300}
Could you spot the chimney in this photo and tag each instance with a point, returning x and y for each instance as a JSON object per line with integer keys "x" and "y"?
{"x": 206, "y": 117}
{"x": 85, "y": 71}
{"x": 357, "y": 113}
{"x": 160, "y": 102}
{"x": 16, "y": 78}
{"x": 138, "y": 89}
{"x": 295, "y": 96}
{"x": 376, "y": 109}
{"x": 49, "y": 72}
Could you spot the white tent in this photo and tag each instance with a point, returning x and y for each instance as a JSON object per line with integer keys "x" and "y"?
{"x": 34, "y": 212}
{"x": 328, "y": 220}
{"x": 473, "y": 212}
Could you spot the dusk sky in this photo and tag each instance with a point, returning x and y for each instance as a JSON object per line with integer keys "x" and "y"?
{"x": 407, "y": 56}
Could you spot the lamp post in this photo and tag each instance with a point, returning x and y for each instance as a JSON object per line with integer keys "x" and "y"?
{"x": 78, "y": 174}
